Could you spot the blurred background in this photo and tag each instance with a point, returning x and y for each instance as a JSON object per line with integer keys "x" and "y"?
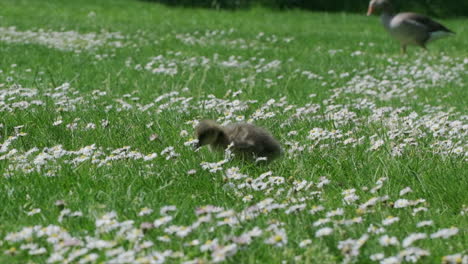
{"x": 440, "y": 8}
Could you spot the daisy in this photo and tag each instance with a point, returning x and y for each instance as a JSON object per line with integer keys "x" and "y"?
{"x": 323, "y": 232}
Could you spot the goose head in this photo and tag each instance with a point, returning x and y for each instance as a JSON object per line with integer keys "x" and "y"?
{"x": 208, "y": 133}
{"x": 379, "y": 5}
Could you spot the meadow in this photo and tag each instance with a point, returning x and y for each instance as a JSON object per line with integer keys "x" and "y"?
{"x": 98, "y": 104}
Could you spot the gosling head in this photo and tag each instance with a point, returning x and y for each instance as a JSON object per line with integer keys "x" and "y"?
{"x": 379, "y": 5}
{"x": 208, "y": 132}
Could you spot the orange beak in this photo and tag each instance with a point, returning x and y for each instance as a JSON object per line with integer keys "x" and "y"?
{"x": 370, "y": 10}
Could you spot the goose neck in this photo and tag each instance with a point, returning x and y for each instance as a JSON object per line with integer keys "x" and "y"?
{"x": 222, "y": 139}
{"x": 386, "y": 18}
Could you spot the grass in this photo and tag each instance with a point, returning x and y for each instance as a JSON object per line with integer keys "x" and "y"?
{"x": 429, "y": 84}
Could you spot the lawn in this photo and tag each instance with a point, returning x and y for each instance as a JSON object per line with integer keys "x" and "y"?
{"x": 98, "y": 104}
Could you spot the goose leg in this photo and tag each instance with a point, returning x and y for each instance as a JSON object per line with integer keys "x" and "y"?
{"x": 424, "y": 48}
{"x": 403, "y": 49}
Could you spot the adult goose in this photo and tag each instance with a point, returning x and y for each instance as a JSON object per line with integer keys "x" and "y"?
{"x": 408, "y": 28}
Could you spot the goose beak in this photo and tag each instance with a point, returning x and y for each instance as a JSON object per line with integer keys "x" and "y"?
{"x": 370, "y": 10}
{"x": 196, "y": 146}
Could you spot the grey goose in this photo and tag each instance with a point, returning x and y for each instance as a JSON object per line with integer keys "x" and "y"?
{"x": 408, "y": 28}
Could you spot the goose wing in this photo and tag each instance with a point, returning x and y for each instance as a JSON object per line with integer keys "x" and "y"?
{"x": 420, "y": 21}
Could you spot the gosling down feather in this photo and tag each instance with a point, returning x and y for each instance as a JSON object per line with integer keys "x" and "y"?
{"x": 247, "y": 140}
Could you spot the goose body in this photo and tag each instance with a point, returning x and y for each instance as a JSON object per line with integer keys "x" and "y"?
{"x": 408, "y": 28}
{"x": 248, "y": 140}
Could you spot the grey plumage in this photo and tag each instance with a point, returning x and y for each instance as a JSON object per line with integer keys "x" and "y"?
{"x": 249, "y": 141}
{"x": 408, "y": 28}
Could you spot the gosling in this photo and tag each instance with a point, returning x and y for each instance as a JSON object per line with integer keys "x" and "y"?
{"x": 248, "y": 140}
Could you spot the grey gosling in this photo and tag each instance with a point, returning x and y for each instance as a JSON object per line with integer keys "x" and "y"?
{"x": 408, "y": 28}
{"x": 249, "y": 141}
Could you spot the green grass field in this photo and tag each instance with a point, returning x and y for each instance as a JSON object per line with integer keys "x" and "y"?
{"x": 98, "y": 104}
